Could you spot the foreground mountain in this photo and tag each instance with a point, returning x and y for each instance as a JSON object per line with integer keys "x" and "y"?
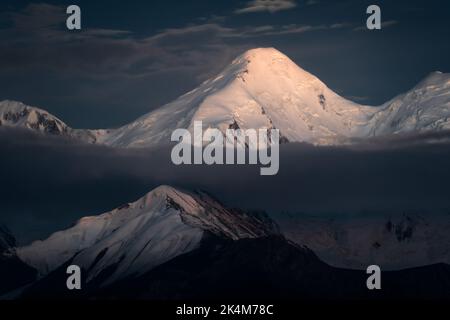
{"x": 264, "y": 89}
{"x": 249, "y": 270}
{"x": 136, "y": 237}
{"x": 172, "y": 244}
{"x": 273, "y": 268}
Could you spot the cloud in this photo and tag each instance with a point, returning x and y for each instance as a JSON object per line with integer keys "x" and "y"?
{"x": 36, "y": 16}
{"x": 340, "y": 25}
{"x": 280, "y": 30}
{"x": 384, "y": 25}
{"x": 296, "y": 29}
{"x": 37, "y": 40}
{"x": 50, "y": 182}
{"x": 106, "y": 77}
{"x": 271, "y": 6}
{"x": 389, "y": 23}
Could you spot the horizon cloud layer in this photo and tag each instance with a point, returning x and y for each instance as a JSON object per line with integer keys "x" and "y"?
{"x": 50, "y": 182}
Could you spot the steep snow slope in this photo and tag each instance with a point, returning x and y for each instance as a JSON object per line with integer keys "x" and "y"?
{"x": 392, "y": 242}
{"x": 141, "y": 235}
{"x": 17, "y": 114}
{"x": 262, "y": 88}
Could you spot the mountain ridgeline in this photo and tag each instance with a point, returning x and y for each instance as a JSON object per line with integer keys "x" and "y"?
{"x": 264, "y": 89}
{"x": 174, "y": 244}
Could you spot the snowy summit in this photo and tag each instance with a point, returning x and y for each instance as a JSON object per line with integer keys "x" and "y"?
{"x": 264, "y": 89}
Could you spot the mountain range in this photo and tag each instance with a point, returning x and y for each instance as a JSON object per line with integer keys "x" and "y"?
{"x": 263, "y": 89}
{"x": 174, "y": 244}
{"x": 154, "y": 229}
{"x": 178, "y": 244}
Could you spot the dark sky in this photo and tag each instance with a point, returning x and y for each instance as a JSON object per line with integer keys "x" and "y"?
{"x": 133, "y": 56}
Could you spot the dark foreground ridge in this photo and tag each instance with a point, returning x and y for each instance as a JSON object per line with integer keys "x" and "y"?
{"x": 248, "y": 269}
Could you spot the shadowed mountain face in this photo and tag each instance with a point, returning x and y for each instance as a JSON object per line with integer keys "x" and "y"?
{"x": 272, "y": 267}
{"x": 262, "y": 268}
{"x": 13, "y": 272}
{"x": 172, "y": 244}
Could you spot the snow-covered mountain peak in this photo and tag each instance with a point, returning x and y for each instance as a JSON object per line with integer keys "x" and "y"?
{"x": 13, "y": 113}
{"x": 426, "y": 107}
{"x": 263, "y": 54}
{"x": 264, "y": 89}
{"x": 19, "y": 115}
{"x": 138, "y": 236}
{"x": 261, "y": 89}
{"x": 269, "y": 61}
{"x": 199, "y": 209}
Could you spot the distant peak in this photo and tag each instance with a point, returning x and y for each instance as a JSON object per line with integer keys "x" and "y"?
{"x": 263, "y": 53}
{"x": 164, "y": 189}
{"x": 167, "y": 193}
{"x": 18, "y": 106}
{"x": 11, "y": 103}
{"x": 270, "y": 61}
